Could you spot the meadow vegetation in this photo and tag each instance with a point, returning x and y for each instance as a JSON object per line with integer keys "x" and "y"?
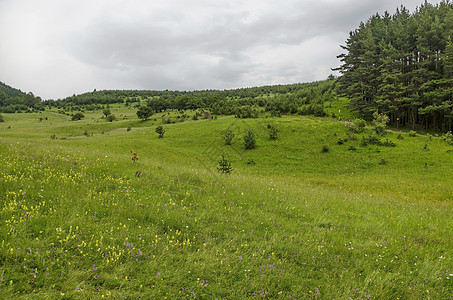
{"x": 99, "y": 209}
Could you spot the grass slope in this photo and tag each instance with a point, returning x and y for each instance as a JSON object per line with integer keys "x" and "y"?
{"x": 77, "y": 221}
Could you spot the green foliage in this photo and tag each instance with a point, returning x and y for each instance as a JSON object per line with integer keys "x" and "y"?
{"x": 110, "y": 118}
{"x": 224, "y": 165}
{"x": 145, "y": 112}
{"x": 249, "y": 140}
{"x": 228, "y": 136}
{"x": 106, "y": 112}
{"x": 402, "y": 65}
{"x": 325, "y": 149}
{"x": 160, "y": 130}
{"x": 412, "y": 133}
{"x": 380, "y": 121}
{"x": 78, "y": 116}
{"x": 448, "y": 138}
{"x": 1, "y": 118}
{"x": 273, "y": 132}
{"x": 247, "y": 111}
{"x": 358, "y": 126}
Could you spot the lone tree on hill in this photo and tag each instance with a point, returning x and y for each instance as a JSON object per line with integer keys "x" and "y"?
{"x": 160, "y": 130}
{"x": 145, "y": 112}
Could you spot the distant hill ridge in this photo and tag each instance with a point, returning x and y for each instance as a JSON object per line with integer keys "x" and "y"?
{"x": 14, "y": 100}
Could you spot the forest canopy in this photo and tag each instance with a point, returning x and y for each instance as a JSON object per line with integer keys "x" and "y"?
{"x": 402, "y": 65}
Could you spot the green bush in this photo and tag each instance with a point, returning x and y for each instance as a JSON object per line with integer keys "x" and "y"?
{"x": 1, "y": 118}
{"x": 249, "y": 140}
{"x": 110, "y": 118}
{"x": 412, "y": 133}
{"x": 358, "y": 126}
{"x": 160, "y": 130}
{"x": 448, "y": 138}
{"x": 77, "y": 116}
{"x": 224, "y": 165}
{"x": 325, "y": 149}
{"x": 145, "y": 112}
{"x": 228, "y": 137}
{"x": 273, "y": 132}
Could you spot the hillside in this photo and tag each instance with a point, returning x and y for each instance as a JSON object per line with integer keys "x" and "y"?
{"x": 14, "y": 100}
{"x": 81, "y": 219}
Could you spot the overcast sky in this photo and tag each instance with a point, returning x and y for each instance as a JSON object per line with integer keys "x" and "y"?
{"x": 55, "y": 48}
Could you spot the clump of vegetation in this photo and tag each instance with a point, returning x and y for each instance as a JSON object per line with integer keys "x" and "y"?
{"x": 358, "y": 126}
{"x": 53, "y": 137}
{"x": 160, "y": 130}
{"x": 370, "y": 139}
{"x": 77, "y": 116}
{"x": 249, "y": 140}
{"x": 228, "y": 136}
{"x": 145, "y": 112}
{"x": 247, "y": 111}
{"x": 110, "y": 118}
{"x": 134, "y": 157}
{"x": 128, "y": 129}
{"x": 224, "y": 165}
{"x": 400, "y": 137}
{"x": 448, "y": 138}
{"x": 325, "y": 149}
{"x": 1, "y": 118}
{"x": 106, "y": 112}
{"x": 412, "y": 133}
{"x": 273, "y": 132}
{"x": 380, "y": 121}
{"x": 382, "y": 162}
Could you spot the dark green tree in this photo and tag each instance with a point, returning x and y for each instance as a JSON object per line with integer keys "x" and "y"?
{"x": 145, "y": 112}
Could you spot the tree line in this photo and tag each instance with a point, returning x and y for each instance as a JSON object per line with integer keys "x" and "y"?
{"x": 402, "y": 65}
{"x": 13, "y": 100}
{"x": 302, "y": 98}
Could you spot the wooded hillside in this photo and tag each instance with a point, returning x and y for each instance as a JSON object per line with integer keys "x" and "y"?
{"x": 402, "y": 65}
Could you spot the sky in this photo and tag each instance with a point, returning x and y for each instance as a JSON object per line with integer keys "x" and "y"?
{"x": 57, "y": 48}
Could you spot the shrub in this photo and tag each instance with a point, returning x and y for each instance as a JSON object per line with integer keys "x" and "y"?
{"x": 325, "y": 149}
{"x": 352, "y": 148}
{"x": 383, "y": 162}
{"x": 77, "y": 116}
{"x": 272, "y": 132}
{"x": 106, "y": 112}
{"x": 400, "y": 137}
{"x": 249, "y": 140}
{"x": 224, "y": 165}
{"x": 412, "y": 133}
{"x": 448, "y": 138}
{"x": 380, "y": 121}
{"x": 111, "y": 118}
{"x": 247, "y": 111}
{"x": 388, "y": 143}
{"x": 1, "y": 118}
{"x": 160, "y": 130}
{"x": 128, "y": 129}
{"x": 145, "y": 112}
{"x": 228, "y": 137}
{"x": 358, "y": 126}
{"x": 370, "y": 139}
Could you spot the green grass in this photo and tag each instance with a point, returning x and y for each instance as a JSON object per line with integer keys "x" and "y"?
{"x": 78, "y": 222}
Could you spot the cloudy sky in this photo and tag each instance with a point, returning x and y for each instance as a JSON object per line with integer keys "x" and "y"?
{"x": 55, "y": 48}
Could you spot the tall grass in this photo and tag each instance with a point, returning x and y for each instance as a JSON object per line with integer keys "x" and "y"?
{"x": 80, "y": 219}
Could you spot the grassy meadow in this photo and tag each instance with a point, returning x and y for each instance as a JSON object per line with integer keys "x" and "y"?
{"x": 81, "y": 220}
